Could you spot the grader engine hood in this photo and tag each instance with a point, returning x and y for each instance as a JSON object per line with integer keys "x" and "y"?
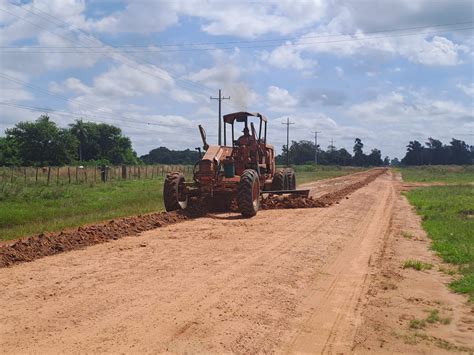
{"x": 214, "y": 156}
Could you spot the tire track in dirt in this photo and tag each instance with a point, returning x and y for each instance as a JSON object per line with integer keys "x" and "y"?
{"x": 332, "y": 325}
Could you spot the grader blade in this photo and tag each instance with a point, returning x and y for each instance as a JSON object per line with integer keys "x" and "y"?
{"x": 304, "y": 193}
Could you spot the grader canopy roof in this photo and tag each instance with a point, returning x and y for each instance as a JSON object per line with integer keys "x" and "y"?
{"x": 242, "y": 116}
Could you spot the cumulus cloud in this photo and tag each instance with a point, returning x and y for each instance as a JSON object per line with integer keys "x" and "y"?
{"x": 280, "y": 100}
{"x": 467, "y": 89}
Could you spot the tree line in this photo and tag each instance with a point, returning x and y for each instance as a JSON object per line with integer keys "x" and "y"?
{"x": 42, "y": 142}
{"x": 304, "y": 152}
{"x": 434, "y": 152}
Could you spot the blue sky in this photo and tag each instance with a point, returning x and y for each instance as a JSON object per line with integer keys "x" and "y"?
{"x": 384, "y": 71}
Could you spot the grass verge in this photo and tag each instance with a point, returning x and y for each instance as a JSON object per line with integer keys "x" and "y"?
{"x": 451, "y": 174}
{"x": 31, "y": 209}
{"x": 447, "y": 217}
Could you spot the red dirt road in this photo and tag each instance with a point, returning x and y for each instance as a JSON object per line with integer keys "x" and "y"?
{"x": 284, "y": 281}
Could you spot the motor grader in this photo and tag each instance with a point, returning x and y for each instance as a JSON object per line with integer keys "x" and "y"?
{"x": 239, "y": 171}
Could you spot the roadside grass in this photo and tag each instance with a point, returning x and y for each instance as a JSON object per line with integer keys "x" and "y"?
{"x": 447, "y": 217}
{"x": 451, "y": 174}
{"x": 417, "y": 265}
{"x": 31, "y": 209}
{"x": 309, "y": 173}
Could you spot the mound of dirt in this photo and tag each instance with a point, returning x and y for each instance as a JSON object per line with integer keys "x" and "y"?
{"x": 294, "y": 201}
{"x": 38, "y": 246}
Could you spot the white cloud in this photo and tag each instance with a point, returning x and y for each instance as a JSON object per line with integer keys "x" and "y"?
{"x": 288, "y": 56}
{"x": 280, "y": 100}
{"x": 467, "y": 89}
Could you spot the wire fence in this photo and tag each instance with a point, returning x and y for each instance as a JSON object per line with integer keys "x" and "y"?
{"x": 49, "y": 175}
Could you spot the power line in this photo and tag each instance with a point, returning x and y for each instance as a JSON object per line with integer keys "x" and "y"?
{"x": 66, "y": 113}
{"x": 252, "y": 47}
{"x": 47, "y": 92}
{"x": 81, "y": 48}
{"x": 246, "y": 41}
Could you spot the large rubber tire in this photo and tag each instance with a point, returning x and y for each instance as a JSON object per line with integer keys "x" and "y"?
{"x": 279, "y": 181}
{"x": 173, "y": 192}
{"x": 248, "y": 193}
{"x": 290, "y": 175}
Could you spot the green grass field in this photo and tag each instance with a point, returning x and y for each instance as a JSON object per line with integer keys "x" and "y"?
{"x": 27, "y": 209}
{"x": 439, "y": 173}
{"x": 448, "y": 218}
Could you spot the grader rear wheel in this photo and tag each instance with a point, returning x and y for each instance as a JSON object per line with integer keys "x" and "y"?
{"x": 290, "y": 175}
{"x": 248, "y": 193}
{"x": 279, "y": 181}
{"x": 174, "y": 192}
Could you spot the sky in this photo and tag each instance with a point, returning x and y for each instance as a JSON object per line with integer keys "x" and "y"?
{"x": 386, "y": 72}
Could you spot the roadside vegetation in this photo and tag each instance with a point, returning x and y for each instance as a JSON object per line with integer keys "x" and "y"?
{"x": 448, "y": 218}
{"x": 31, "y": 209}
{"x": 451, "y": 174}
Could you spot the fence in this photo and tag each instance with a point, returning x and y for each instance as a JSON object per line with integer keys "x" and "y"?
{"x": 86, "y": 174}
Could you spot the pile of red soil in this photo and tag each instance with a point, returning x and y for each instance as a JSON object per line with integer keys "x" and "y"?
{"x": 41, "y": 245}
{"x": 295, "y": 201}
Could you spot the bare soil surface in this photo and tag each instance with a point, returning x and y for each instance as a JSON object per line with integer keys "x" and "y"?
{"x": 310, "y": 280}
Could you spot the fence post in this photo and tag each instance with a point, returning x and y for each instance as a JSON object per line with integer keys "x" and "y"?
{"x": 24, "y": 171}
{"x": 36, "y": 176}
{"x": 85, "y": 173}
{"x": 95, "y": 173}
{"x": 69, "y": 174}
{"x": 49, "y": 175}
{"x": 77, "y": 173}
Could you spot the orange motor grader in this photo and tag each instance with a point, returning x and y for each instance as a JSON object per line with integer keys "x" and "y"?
{"x": 240, "y": 171}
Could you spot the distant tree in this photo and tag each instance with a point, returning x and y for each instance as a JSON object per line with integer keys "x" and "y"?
{"x": 345, "y": 157}
{"x": 459, "y": 152}
{"x": 395, "y": 162}
{"x": 375, "y": 158}
{"x": 301, "y": 152}
{"x": 100, "y": 141}
{"x": 9, "y": 154}
{"x": 414, "y": 155}
{"x": 359, "y": 156}
{"x": 42, "y": 142}
{"x": 163, "y": 155}
{"x": 386, "y": 161}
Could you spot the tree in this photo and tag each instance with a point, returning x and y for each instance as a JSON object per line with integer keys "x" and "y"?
{"x": 163, "y": 155}
{"x": 42, "y": 143}
{"x": 100, "y": 141}
{"x": 375, "y": 158}
{"x": 386, "y": 161}
{"x": 359, "y": 156}
{"x": 459, "y": 152}
{"x": 414, "y": 155}
{"x": 9, "y": 154}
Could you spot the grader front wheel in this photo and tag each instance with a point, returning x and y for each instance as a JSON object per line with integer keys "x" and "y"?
{"x": 174, "y": 192}
{"x": 248, "y": 193}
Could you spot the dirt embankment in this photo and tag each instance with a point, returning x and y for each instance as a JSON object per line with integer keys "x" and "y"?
{"x": 35, "y": 247}
{"x": 326, "y": 200}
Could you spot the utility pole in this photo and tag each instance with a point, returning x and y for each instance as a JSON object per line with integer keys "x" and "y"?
{"x": 287, "y": 123}
{"x": 220, "y": 98}
{"x": 316, "y": 146}
{"x": 332, "y": 145}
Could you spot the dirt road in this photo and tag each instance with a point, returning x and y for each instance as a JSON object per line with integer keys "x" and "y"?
{"x": 284, "y": 281}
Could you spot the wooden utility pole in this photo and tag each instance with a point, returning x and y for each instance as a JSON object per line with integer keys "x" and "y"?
{"x": 220, "y": 98}
{"x": 287, "y": 123}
